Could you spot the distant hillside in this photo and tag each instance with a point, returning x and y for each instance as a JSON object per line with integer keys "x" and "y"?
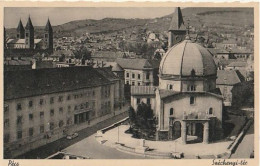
{"x": 211, "y": 17}
{"x": 219, "y": 18}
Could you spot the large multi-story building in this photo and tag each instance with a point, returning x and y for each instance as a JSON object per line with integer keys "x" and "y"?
{"x": 42, "y": 105}
{"x": 139, "y": 71}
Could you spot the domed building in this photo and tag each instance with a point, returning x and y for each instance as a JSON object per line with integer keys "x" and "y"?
{"x": 186, "y": 103}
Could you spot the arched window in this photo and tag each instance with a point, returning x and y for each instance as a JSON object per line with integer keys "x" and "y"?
{"x": 171, "y": 111}
{"x": 170, "y": 87}
{"x": 210, "y": 111}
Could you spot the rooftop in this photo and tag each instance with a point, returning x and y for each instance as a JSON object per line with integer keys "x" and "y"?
{"x": 227, "y": 77}
{"x": 138, "y": 64}
{"x": 25, "y": 83}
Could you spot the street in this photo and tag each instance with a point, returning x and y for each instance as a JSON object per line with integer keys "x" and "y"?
{"x": 90, "y": 147}
{"x": 245, "y": 148}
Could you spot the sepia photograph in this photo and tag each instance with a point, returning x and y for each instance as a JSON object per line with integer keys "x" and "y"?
{"x": 129, "y": 83}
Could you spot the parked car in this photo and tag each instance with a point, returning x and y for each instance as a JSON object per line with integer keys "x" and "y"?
{"x": 74, "y": 135}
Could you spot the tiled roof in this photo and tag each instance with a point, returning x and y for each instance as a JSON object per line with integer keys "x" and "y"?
{"x": 29, "y": 24}
{"x": 107, "y": 72}
{"x": 20, "y": 26}
{"x": 138, "y": 64}
{"x": 166, "y": 93}
{"x": 25, "y": 83}
{"x": 227, "y": 77}
{"x": 237, "y": 64}
{"x": 142, "y": 90}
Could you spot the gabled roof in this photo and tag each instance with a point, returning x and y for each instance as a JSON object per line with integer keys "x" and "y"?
{"x": 227, "y": 77}
{"x": 29, "y": 24}
{"x": 25, "y": 83}
{"x": 138, "y": 64}
{"x": 20, "y": 26}
{"x": 177, "y": 22}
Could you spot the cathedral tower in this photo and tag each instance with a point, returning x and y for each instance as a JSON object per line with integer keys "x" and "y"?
{"x": 29, "y": 34}
{"x": 177, "y": 30}
{"x": 20, "y": 30}
{"x": 48, "y": 36}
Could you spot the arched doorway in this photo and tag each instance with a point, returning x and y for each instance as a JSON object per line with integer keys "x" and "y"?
{"x": 176, "y": 130}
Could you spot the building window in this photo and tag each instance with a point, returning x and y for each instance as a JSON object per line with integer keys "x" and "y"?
{"x": 148, "y": 101}
{"x": 26, "y": 34}
{"x": 61, "y": 110}
{"x": 210, "y": 111}
{"x": 68, "y": 97}
{"x": 19, "y": 120}
{"x": 6, "y": 138}
{"x": 30, "y": 103}
{"x": 52, "y": 112}
{"x": 19, "y": 134}
{"x": 138, "y": 100}
{"x": 61, "y": 123}
{"x": 191, "y": 87}
{"x": 87, "y": 105}
{"x": 127, "y": 75}
{"x": 30, "y": 116}
{"x": 171, "y": 111}
{"x": 93, "y": 105}
{"x": 133, "y": 75}
{"x": 192, "y": 100}
{"x": 93, "y": 93}
{"x": 51, "y": 100}
{"x": 42, "y": 129}
{"x": 30, "y": 132}
{"x": 6, "y": 123}
{"x": 133, "y": 83}
{"x": 19, "y": 106}
{"x": 139, "y": 76}
{"x": 51, "y": 126}
{"x": 138, "y": 83}
{"x": 60, "y": 98}
{"x": 41, "y": 115}
{"x": 170, "y": 87}
{"x": 41, "y": 102}
{"x": 69, "y": 107}
{"x": 147, "y": 76}
{"x": 127, "y": 82}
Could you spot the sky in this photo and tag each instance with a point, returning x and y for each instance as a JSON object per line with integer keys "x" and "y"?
{"x": 60, "y": 15}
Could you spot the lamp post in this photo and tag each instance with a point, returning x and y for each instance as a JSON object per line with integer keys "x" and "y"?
{"x": 118, "y": 134}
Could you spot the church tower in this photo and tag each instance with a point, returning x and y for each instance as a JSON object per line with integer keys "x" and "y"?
{"x": 29, "y": 34}
{"x": 20, "y": 30}
{"x": 48, "y": 36}
{"x": 177, "y": 30}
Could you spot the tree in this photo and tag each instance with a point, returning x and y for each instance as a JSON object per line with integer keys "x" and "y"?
{"x": 82, "y": 53}
{"x": 132, "y": 115}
